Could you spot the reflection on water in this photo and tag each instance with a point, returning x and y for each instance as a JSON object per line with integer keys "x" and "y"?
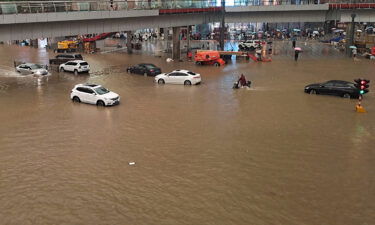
{"x": 204, "y": 154}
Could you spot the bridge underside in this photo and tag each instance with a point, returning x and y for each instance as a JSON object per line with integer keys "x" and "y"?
{"x": 276, "y": 17}
{"x": 41, "y": 25}
{"x": 21, "y": 31}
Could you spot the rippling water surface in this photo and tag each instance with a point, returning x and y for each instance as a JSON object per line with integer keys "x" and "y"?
{"x": 204, "y": 154}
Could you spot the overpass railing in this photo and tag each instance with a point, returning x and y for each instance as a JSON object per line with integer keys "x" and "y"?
{"x": 18, "y": 7}
{"x": 21, "y": 7}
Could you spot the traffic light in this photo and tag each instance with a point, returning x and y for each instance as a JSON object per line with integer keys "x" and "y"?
{"x": 362, "y": 85}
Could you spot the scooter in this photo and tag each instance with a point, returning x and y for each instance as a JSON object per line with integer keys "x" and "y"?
{"x": 236, "y": 85}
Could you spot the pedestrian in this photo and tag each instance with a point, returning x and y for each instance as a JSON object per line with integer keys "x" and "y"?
{"x": 189, "y": 55}
{"x": 270, "y": 49}
{"x": 259, "y": 54}
{"x": 354, "y": 52}
{"x": 296, "y": 53}
{"x": 294, "y": 41}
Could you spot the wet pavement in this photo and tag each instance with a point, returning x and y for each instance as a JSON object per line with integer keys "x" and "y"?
{"x": 204, "y": 154}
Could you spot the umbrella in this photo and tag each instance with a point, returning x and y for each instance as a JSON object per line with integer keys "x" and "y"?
{"x": 352, "y": 46}
{"x": 315, "y": 32}
{"x": 297, "y": 49}
{"x": 339, "y": 30}
{"x": 333, "y": 28}
{"x": 359, "y": 31}
{"x": 296, "y": 30}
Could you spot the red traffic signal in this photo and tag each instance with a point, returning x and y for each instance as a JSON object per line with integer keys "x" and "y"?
{"x": 362, "y": 85}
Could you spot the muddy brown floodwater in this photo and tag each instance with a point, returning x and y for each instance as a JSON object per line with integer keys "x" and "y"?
{"x": 205, "y": 154}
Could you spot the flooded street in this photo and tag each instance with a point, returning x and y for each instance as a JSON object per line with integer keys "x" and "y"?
{"x": 205, "y": 154}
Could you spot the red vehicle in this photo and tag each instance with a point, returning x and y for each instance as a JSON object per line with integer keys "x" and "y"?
{"x": 208, "y": 58}
{"x": 373, "y": 51}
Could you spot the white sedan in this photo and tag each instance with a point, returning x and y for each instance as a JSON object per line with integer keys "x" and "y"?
{"x": 31, "y": 68}
{"x": 185, "y": 77}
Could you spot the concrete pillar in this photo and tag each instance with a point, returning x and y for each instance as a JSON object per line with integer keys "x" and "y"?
{"x": 188, "y": 37}
{"x": 350, "y": 35}
{"x": 129, "y": 42}
{"x": 176, "y": 51}
{"x": 34, "y": 43}
{"x": 222, "y": 25}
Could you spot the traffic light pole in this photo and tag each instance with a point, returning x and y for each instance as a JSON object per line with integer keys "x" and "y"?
{"x": 361, "y": 85}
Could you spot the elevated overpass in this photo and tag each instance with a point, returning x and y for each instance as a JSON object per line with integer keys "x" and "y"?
{"x": 38, "y": 19}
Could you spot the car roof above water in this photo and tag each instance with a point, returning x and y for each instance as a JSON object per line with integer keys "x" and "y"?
{"x": 88, "y": 85}
{"x": 77, "y": 61}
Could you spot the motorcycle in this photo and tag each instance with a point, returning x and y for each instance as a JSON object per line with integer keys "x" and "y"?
{"x": 236, "y": 85}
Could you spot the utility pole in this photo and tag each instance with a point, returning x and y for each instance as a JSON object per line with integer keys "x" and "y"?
{"x": 351, "y": 37}
{"x": 222, "y": 25}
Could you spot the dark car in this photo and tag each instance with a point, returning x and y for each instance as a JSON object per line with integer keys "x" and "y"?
{"x": 63, "y": 58}
{"x": 341, "y": 88}
{"x": 144, "y": 69}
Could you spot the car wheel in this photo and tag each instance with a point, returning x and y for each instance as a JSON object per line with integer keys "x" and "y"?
{"x": 62, "y": 69}
{"x": 312, "y": 92}
{"x": 252, "y": 48}
{"x": 161, "y": 81}
{"x": 100, "y": 103}
{"x": 198, "y": 63}
{"x": 346, "y": 95}
{"x": 216, "y": 64}
{"x": 76, "y": 99}
{"x": 128, "y": 71}
{"x": 145, "y": 74}
{"x": 187, "y": 82}
{"x": 75, "y": 72}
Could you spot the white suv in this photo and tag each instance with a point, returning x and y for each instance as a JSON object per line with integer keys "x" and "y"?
{"x": 76, "y": 66}
{"x": 94, "y": 94}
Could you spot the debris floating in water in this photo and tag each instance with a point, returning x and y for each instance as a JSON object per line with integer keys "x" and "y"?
{"x": 131, "y": 163}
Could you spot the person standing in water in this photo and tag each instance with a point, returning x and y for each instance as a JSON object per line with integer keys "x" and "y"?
{"x": 294, "y": 41}
{"x": 296, "y": 53}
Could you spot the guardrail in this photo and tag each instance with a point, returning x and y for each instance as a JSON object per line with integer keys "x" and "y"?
{"x": 20, "y": 7}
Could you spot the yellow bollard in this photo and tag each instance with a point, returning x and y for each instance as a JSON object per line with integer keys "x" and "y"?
{"x": 360, "y": 109}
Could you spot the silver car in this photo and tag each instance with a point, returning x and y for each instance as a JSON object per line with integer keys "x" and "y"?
{"x": 31, "y": 68}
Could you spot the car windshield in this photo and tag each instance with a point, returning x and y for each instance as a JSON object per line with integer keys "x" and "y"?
{"x": 101, "y": 90}
{"x": 150, "y": 66}
{"x": 84, "y": 63}
{"x": 35, "y": 66}
{"x": 349, "y": 84}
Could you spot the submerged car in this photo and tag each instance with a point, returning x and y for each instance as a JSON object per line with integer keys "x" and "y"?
{"x": 94, "y": 94}
{"x": 63, "y": 58}
{"x": 185, "y": 77}
{"x": 146, "y": 69}
{"x": 341, "y": 88}
{"x": 32, "y": 68}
